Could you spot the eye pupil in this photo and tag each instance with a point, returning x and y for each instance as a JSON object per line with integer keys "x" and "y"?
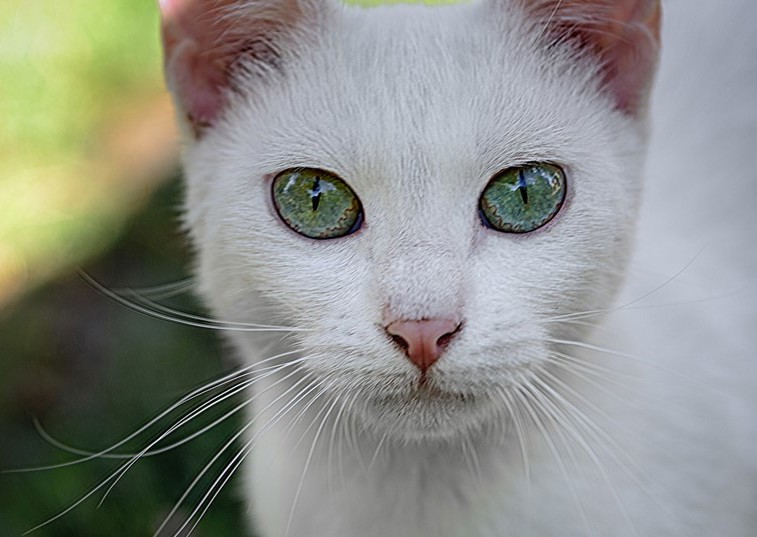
{"x": 524, "y": 198}
{"x": 316, "y": 193}
{"x": 522, "y": 187}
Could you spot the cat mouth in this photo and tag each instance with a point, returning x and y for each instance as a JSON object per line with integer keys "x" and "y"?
{"x": 425, "y": 411}
{"x": 427, "y": 391}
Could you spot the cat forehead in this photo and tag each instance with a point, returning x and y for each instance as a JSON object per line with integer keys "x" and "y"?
{"x": 417, "y": 92}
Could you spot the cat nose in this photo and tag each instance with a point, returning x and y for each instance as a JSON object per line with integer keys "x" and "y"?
{"x": 423, "y": 341}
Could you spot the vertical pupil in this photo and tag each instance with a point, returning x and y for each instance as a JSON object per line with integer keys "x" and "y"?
{"x": 316, "y": 193}
{"x": 522, "y": 187}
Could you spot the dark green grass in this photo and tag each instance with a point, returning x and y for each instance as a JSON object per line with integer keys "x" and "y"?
{"x": 92, "y": 371}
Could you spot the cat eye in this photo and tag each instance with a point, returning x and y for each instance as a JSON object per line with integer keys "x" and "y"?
{"x": 524, "y": 198}
{"x": 316, "y": 203}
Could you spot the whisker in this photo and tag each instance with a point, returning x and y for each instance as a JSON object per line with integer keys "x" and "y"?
{"x": 232, "y": 377}
{"x": 332, "y": 440}
{"x": 176, "y": 426}
{"x": 627, "y": 305}
{"x": 178, "y": 314}
{"x": 379, "y": 445}
{"x": 159, "y": 292}
{"x": 353, "y": 438}
{"x": 309, "y": 427}
{"x": 70, "y": 508}
{"x": 585, "y": 369}
{"x": 563, "y": 420}
{"x": 207, "y": 405}
{"x": 619, "y": 354}
{"x": 348, "y": 436}
{"x": 598, "y": 377}
{"x": 113, "y": 476}
{"x": 242, "y": 454}
{"x": 667, "y": 282}
{"x": 204, "y": 407}
{"x": 523, "y": 439}
{"x": 205, "y": 323}
{"x": 551, "y": 17}
{"x": 471, "y": 457}
{"x": 225, "y": 447}
{"x": 608, "y": 444}
{"x": 307, "y": 464}
{"x": 528, "y": 403}
{"x": 594, "y": 326}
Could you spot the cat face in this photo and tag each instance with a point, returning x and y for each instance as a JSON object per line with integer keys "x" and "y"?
{"x": 416, "y": 110}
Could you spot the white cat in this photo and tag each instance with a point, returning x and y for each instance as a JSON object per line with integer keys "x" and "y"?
{"x": 442, "y": 203}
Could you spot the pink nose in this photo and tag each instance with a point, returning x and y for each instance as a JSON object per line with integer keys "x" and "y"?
{"x": 423, "y": 341}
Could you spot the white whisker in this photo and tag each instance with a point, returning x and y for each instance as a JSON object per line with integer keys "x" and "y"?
{"x": 608, "y": 444}
{"x": 231, "y": 377}
{"x": 184, "y": 318}
{"x": 307, "y": 464}
{"x": 471, "y": 457}
{"x": 231, "y": 468}
{"x": 520, "y": 431}
{"x": 226, "y": 446}
{"x": 528, "y": 403}
{"x": 631, "y": 357}
{"x": 178, "y": 425}
{"x": 377, "y": 451}
{"x": 215, "y": 400}
{"x": 564, "y": 421}
{"x": 159, "y": 292}
{"x": 332, "y": 439}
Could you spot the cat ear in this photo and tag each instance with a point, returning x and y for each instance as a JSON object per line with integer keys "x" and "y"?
{"x": 208, "y": 43}
{"x": 623, "y": 34}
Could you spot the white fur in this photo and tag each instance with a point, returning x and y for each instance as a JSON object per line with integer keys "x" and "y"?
{"x": 416, "y": 108}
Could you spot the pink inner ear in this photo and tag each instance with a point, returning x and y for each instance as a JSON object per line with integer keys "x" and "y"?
{"x": 202, "y": 39}
{"x": 200, "y": 81}
{"x": 632, "y": 51}
{"x": 625, "y": 34}
{"x": 196, "y": 63}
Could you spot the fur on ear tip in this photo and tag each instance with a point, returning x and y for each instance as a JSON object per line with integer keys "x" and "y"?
{"x": 166, "y": 6}
{"x": 170, "y": 8}
{"x": 624, "y": 36}
{"x": 207, "y": 43}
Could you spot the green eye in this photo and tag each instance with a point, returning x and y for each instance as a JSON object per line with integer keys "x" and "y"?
{"x": 316, "y": 203}
{"x": 524, "y": 198}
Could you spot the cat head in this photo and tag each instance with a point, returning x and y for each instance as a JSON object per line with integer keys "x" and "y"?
{"x": 428, "y": 194}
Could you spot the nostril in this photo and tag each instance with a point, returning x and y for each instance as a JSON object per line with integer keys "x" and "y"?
{"x": 399, "y": 341}
{"x": 423, "y": 341}
{"x": 447, "y": 338}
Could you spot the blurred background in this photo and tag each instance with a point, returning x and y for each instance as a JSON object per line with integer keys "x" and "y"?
{"x": 89, "y": 179}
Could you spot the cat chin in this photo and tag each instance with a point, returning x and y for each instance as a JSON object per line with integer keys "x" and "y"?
{"x": 427, "y": 412}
